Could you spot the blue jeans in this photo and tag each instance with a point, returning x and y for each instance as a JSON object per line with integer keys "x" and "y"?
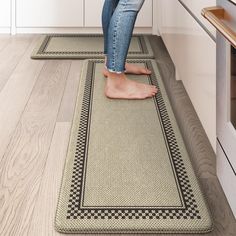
{"x": 118, "y": 20}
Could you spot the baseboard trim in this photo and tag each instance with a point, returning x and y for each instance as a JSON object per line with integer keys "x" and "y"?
{"x": 5, "y": 30}
{"x": 81, "y": 30}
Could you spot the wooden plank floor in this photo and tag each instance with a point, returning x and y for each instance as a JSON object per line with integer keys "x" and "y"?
{"x": 37, "y": 99}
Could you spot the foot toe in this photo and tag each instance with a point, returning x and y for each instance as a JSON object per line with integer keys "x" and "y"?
{"x": 154, "y": 90}
{"x": 145, "y": 71}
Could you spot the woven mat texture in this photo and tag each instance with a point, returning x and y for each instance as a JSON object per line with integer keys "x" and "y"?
{"x": 127, "y": 169}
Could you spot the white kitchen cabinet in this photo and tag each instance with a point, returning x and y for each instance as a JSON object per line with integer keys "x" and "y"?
{"x": 193, "y": 52}
{"x": 196, "y": 7}
{"x": 145, "y": 15}
{"x": 227, "y": 177}
{"x": 49, "y": 13}
{"x": 5, "y": 13}
{"x": 93, "y": 11}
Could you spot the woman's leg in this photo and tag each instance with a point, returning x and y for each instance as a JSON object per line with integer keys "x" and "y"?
{"x": 120, "y": 32}
{"x": 119, "y": 36}
{"x": 107, "y": 11}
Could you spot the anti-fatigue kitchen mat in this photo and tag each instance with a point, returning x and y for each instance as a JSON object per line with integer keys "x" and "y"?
{"x": 70, "y": 46}
{"x": 127, "y": 169}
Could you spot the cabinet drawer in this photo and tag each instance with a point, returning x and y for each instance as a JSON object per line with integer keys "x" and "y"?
{"x": 45, "y": 13}
{"x": 93, "y": 11}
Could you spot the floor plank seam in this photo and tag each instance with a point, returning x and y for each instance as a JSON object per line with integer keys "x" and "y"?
{"x": 13, "y": 70}
{"x": 50, "y": 145}
{"x": 64, "y": 94}
{"x": 5, "y": 45}
{"x": 20, "y": 116}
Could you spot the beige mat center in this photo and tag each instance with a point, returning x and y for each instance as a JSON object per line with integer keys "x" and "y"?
{"x": 122, "y": 167}
{"x": 83, "y": 44}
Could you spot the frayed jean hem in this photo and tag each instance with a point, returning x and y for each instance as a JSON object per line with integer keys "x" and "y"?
{"x": 113, "y": 71}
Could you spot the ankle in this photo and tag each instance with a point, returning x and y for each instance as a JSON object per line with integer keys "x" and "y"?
{"x": 114, "y": 75}
{"x": 116, "y": 82}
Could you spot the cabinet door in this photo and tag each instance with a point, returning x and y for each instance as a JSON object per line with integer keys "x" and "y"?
{"x": 227, "y": 177}
{"x": 93, "y": 11}
{"x": 196, "y": 7}
{"x": 5, "y": 20}
{"x": 194, "y": 55}
{"x": 145, "y": 15}
{"x": 49, "y": 13}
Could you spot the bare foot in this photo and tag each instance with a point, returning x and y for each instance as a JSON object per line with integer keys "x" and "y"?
{"x": 131, "y": 69}
{"x": 119, "y": 87}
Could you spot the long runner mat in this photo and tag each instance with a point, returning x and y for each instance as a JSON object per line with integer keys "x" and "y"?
{"x": 82, "y": 46}
{"x": 127, "y": 169}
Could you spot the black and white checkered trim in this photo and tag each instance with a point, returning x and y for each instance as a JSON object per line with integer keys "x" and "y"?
{"x": 75, "y": 209}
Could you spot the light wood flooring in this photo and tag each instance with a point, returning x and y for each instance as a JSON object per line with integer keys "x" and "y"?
{"x": 37, "y": 99}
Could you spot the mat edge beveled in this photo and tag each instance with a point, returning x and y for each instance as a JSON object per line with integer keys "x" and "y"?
{"x": 59, "y": 225}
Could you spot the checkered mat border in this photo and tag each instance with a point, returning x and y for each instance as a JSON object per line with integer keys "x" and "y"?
{"x": 73, "y": 208}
